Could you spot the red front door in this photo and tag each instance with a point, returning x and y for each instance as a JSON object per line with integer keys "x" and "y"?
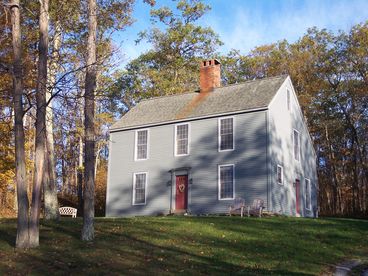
{"x": 181, "y": 192}
{"x": 297, "y": 196}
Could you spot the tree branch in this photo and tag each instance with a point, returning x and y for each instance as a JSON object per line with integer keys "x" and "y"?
{"x": 5, "y": 67}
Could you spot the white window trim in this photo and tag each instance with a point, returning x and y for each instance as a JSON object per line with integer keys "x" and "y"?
{"x": 175, "y": 134}
{"x": 145, "y": 188}
{"x": 298, "y": 160}
{"x": 219, "y": 133}
{"x": 136, "y": 141}
{"x": 282, "y": 175}
{"x": 219, "y": 181}
{"x": 307, "y": 180}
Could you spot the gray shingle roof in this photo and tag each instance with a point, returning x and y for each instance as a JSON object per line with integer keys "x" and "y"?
{"x": 244, "y": 96}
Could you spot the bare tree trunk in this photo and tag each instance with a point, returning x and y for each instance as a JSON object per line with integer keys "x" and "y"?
{"x": 80, "y": 176}
{"x": 63, "y": 175}
{"x": 40, "y": 139}
{"x": 50, "y": 189}
{"x": 22, "y": 240}
{"x": 89, "y": 113}
{"x": 99, "y": 148}
{"x": 335, "y": 204}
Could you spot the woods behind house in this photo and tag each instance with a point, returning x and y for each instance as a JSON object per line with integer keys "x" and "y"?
{"x": 43, "y": 65}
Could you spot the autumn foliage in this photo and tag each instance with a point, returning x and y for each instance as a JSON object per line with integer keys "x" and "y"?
{"x": 329, "y": 71}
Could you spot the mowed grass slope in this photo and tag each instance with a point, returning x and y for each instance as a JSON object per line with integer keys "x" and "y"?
{"x": 188, "y": 245}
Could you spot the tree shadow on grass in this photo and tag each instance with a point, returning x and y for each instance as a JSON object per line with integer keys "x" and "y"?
{"x": 7, "y": 238}
{"x": 8, "y": 232}
{"x": 172, "y": 245}
{"x": 62, "y": 253}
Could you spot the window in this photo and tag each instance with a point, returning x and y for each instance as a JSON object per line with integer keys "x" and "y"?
{"x": 296, "y": 141}
{"x": 139, "y": 188}
{"x": 141, "y": 142}
{"x": 226, "y": 182}
{"x": 280, "y": 174}
{"x": 288, "y": 99}
{"x": 226, "y": 134}
{"x": 182, "y": 139}
{"x": 308, "y": 195}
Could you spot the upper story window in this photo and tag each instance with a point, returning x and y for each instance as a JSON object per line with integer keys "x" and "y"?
{"x": 288, "y": 99}
{"x": 226, "y": 182}
{"x": 280, "y": 174}
{"x": 296, "y": 142}
{"x": 308, "y": 195}
{"x": 139, "y": 188}
{"x": 141, "y": 144}
{"x": 182, "y": 139}
{"x": 226, "y": 134}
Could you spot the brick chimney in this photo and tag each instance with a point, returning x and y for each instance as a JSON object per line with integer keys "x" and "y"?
{"x": 209, "y": 75}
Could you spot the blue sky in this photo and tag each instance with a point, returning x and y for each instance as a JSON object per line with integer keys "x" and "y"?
{"x": 244, "y": 24}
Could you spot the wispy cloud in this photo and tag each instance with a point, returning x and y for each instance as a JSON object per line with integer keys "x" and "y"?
{"x": 250, "y": 25}
{"x": 245, "y": 24}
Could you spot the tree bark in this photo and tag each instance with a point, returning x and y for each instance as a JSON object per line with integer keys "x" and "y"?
{"x": 50, "y": 190}
{"x": 98, "y": 151}
{"x": 80, "y": 176}
{"x": 334, "y": 185}
{"x": 89, "y": 114}
{"x": 40, "y": 139}
{"x": 22, "y": 239}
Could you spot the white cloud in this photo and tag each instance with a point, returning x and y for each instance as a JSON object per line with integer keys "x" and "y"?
{"x": 244, "y": 25}
{"x": 251, "y": 26}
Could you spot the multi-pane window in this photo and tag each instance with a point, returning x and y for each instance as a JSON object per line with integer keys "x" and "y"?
{"x": 141, "y": 144}
{"x": 288, "y": 99}
{"x": 226, "y": 135}
{"x": 280, "y": 174}
{"x": 307, "y": 194}
{"x": 296, "y": 140}
{"x": 182, "y": 139}
{"x": 226, "y": 182}
{"x": 139, "y": 188}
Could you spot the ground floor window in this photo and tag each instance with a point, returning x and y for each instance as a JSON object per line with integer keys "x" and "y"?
{"x": 226, "y": 181}
{"x": 308, "y": 199}
{"x": 280, "y": 174}
{"x": 139, "y": 188}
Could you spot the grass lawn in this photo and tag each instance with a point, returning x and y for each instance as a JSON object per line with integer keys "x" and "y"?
{"x": 188, "y": 245}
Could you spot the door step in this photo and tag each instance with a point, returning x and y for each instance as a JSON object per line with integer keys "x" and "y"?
{"x": 179, "y": 212}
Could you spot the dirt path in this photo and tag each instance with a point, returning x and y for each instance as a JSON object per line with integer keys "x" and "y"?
{"x": 345, "y": 268}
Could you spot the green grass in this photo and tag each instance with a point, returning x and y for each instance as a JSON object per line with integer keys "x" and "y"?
{"x": 188, "y": 245}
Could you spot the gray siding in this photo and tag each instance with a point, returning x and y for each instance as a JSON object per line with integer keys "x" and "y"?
{"x": 249, "y": 158}
{"x": 281, "y": 125}
{"x": 263, "y": 139}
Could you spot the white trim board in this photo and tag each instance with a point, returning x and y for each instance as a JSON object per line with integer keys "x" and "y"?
{"x": 175, "y": 136}
{"x": 136, "y": 141}
{"x": 145, "y": 189}
{"x": 219, "y": 181}
{"x": 219, "y": 133}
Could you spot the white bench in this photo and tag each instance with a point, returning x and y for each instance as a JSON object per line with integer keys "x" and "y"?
{"x": 68, "y": 211}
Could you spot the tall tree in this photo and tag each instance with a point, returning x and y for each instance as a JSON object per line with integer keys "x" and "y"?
{"x": 22, "y": 240}
{"x": 50, "y": 189}
{"x": 89, "y": 129}
{"x": 178, "y": 44}
{"x": 40, "y": 139}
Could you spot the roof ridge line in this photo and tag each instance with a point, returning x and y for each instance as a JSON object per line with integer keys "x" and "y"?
{"x": 253, "y": 80}
{"x": 229, "y": 85}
